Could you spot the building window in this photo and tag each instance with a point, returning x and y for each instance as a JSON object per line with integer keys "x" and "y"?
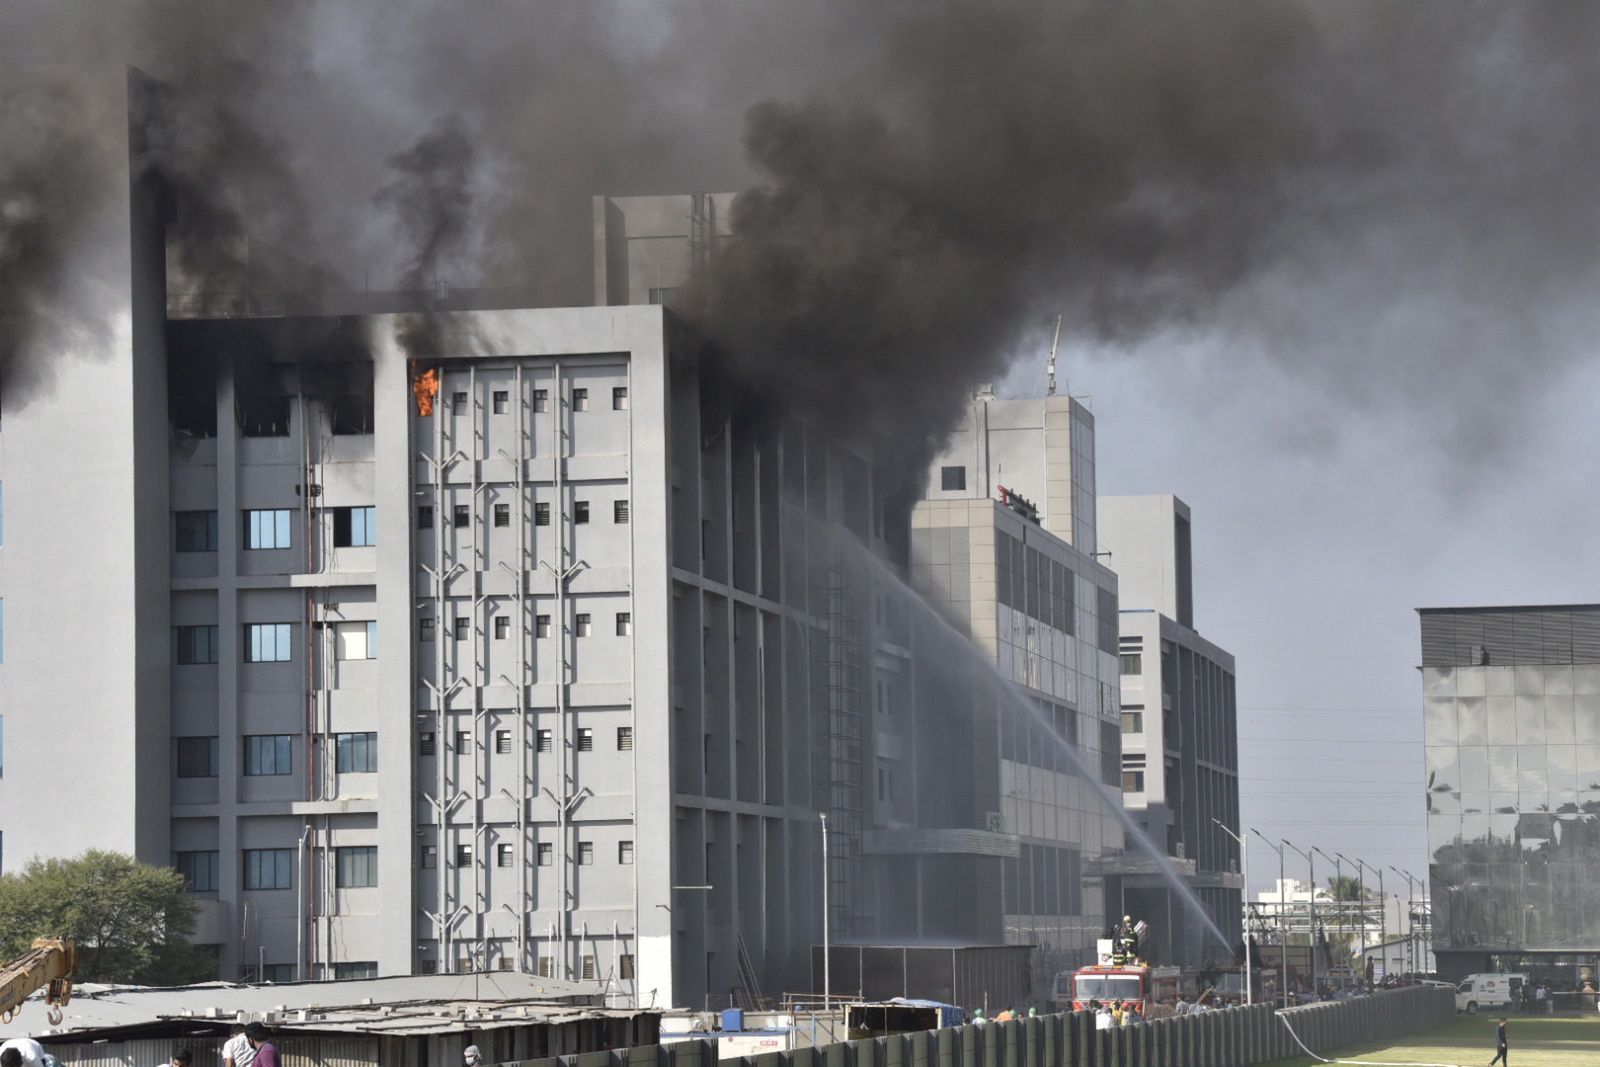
{"x": 581, "y": 623}
{"x": 463, "y": 627}
{"x": 502, "y": 856}
{"x": 355, "y": 867}
{"x": 1133, "y": 722}
{"x": 264, "y": 416}
{"x": 1132, "y": 662}
{"x": 580, "y": 400}
{"x": 355, "y": 527}
{"x": 502, "y": 514}
{"x": 458, "y": 400}
{"x": 662, "y": 294}
{"x": 463, "y": 740}
{"x": 427, "y": 743}
{"x": 541, "y": 400}
{"x": 624, "y": 739}
{"x": 502, "y": 742}
{"x": 502, "y": 627}
{"x": 268, "y": 754}
{"x": 541, "y": 514}
{"x": 953, "y": 479}
{"x": 545, "y": 967}
{"x": 280, "y": 972}
{"x": 619, "y": 398}
{"x": 586, "y": 972}
{"x": 619, "y": 512}
{"x": 425, "y": 628}
{"x": 267, "y": 642}
{"x": 543, "y": 741}
{"x": 624, "y": 624}
{"x": 197, "y": 644}
{"x": 424, "y": 516}
{"x": 625, "y": 853}
{"x": 502, "y": 401}
{"x": 268, "y": 868}
{"x": 546, "y": 854}
{"x": 585, "y": 739}
{"x": 355, "y": 640}
{"x": 463, "y": 855}
{"x": 585, "y": 853}
{"x": 580, "y": 512}
{"x": 201, "y": 871}
{"x": 197, "y": 757}
{"x": 196, "y": 531}
{"x": 356, "y": 753}
{"x": 355, "y": 971}
{"x": 541, "y": 626}
{"x": 430, "y": 857}
{"x": 625, "y": 965}
{"x": 267, "y": 529}
{"x": 1133, "y": 781}
{"x": 459, "y": 516}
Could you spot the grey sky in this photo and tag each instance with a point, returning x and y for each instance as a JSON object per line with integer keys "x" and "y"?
{"x": 1317, "y": 531}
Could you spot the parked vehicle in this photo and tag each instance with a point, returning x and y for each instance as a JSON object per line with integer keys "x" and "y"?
{"x": 1487, "y": 991}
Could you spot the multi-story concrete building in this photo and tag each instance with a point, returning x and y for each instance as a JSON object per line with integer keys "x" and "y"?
{"x": 1512, "y": 783}
{"x": 1039, "y": 767}
{"x": 1180, "y": 741}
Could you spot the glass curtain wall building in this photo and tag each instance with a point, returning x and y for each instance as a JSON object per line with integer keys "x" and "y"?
{"x": 1512, "y": 729}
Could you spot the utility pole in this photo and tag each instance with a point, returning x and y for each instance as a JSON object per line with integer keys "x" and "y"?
{"x": 1283, "y": 936}
{"x": 1244, "y": 900}
{"x": 827, "y": 956}
{"x": 1311, "y": 936}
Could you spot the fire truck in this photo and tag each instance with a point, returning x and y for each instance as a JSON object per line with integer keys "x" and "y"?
{"x": 1117, "y": 978}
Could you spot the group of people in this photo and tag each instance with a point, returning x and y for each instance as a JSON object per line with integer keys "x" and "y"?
{"x": 1009, "y": 1015}
{"x": 1115, "y": 1013}
{"x": 247, "y": 1046}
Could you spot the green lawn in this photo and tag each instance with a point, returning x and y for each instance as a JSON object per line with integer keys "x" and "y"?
{"x": 1469, "y": 1041}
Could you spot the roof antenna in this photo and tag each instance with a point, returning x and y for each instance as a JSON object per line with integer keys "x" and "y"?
{"x": 1050, "y": 368}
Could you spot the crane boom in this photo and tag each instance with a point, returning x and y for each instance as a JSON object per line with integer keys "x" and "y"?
{"x": 48, "y": 965}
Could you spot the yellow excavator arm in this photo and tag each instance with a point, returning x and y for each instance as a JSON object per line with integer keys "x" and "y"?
{"x": 48, "y": 965}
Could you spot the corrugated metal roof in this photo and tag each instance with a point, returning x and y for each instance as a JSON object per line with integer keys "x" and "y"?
{"x": 417, "y": 1004}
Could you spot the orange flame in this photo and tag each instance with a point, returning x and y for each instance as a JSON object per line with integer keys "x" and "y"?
{"x": 425, "y": 387}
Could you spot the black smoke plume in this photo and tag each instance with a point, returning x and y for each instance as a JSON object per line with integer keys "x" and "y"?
{"x": 431, "y": 197}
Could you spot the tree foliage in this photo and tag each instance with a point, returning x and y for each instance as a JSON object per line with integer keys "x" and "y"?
{"x": 131, "y": 921}
{"x": 1345, "y": 887}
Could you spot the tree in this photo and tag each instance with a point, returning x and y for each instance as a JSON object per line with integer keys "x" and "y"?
{"x": 131, "y": 921}
{"x": 1344, "y": 887}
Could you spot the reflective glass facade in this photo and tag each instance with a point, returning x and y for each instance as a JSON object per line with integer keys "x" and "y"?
{"x": 1512, "y": 729}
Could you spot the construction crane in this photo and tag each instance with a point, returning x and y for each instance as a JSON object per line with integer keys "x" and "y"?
{"x": 49, "y": 965}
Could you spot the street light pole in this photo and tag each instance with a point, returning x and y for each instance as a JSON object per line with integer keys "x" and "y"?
{"x": 1361, "y": 895}
{"x": 827, "y": 957}
{"x": 1283, "y": 936}
{"x": 1244, "y": 897}
{"x": 1411, "y": 903}
{"x": 1311, "y": 936}
{"x": 1338, "y": 881}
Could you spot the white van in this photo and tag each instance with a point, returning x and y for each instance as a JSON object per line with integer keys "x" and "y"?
{"x": 1489, "y": 991}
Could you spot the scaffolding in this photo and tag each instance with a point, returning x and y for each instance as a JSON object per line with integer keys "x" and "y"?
{"x": 842, "y": 662}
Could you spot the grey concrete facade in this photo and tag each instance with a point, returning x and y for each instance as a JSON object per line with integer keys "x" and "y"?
{"x": 1180, "y": 746}
{"x": 1039, "y": 447}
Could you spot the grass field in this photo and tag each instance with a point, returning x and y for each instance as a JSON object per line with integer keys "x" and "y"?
{"x": 1469, "y": 1041}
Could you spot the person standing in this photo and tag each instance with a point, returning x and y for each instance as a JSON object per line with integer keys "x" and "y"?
{"x": 237, "y": 1052}
{"x": 1500, "y": 1055}
{"x": 181, "y": 1058}
{"x": 266, "y": 1051}
{"x": 472, "y": 1057}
